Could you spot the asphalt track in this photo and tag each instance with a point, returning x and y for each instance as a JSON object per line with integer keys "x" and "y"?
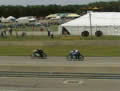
{"x": 57, "y": 60}
{"x": 40, "y": 81}
{"x": 60, "y": 64}
{"x": 58, "y": 84}
{"x": 60, "y": 75}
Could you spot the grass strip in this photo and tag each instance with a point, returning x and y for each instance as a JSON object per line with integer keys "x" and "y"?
{"x": 61, "y": 50}
{"x": 56, "y": 38}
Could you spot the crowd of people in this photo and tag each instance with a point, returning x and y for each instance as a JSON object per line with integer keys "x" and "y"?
{"x": 4, "y": 33}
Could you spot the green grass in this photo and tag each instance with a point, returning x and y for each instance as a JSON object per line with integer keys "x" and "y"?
{"x": 29, "y": 38}
{"x": 60, "y": 50}
{"x": 56, "y": 38}
{"x": 90, "y": 38}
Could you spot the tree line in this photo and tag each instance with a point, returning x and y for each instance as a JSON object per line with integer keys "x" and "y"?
{"x": 43, "y": 10}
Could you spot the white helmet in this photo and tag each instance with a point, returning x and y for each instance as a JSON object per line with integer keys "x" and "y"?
{"x": 76, "y": 50}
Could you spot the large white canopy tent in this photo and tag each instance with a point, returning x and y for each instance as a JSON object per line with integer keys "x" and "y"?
{"x": 8, "y": 19}
{"x": 106, "y": 22}
{"x": 23, "y": 20}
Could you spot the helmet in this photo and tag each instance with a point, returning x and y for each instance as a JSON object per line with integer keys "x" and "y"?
{"x": 73, "y": 50}
{"x": 39, "y": 49}
{"x": 76, "y": 51}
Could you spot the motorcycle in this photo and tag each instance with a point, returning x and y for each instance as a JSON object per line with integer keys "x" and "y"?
{"x": 44, "y": 56}
{"x": 74, "y": 58}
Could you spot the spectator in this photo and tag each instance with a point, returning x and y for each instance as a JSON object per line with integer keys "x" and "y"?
{"x": 23, "y": 34}
{"x": 77, "y": 54}
{"x": 10, "y": 31}
{"x": 48, "y": 33}
{"x": 2, "y": 34}
{"x": 52, "y": 35}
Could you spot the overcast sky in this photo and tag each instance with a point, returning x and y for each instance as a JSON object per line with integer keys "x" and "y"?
{"x": 47, "y": 2}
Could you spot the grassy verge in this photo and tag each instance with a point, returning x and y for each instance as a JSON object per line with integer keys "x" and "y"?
{"x": 29, "y": 38}
{"x": 56, "y": 38}
{"x": 60, "y": 50}
{"x": 90, "y": 38}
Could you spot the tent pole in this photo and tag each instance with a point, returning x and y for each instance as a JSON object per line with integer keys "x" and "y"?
{"x": 90, "y": 23}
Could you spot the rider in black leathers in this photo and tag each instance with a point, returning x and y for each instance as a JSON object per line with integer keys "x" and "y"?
{"x": 38, "y": 52}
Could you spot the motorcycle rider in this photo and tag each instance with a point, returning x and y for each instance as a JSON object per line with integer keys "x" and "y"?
{"x": 75, "y": 53}
{"x": 38, "y": 52}
{"x": 72, "y": 54}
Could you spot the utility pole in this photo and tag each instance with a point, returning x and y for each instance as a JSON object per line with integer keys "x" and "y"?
{"x": 90, "y": 23}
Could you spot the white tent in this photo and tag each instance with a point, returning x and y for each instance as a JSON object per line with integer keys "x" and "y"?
{"x": 3, "y": 19}
{"x": 106, "y": 22}
{"x": 72, "y": 15}
{"x": 51, "y": 16}
{"x": 8, "y": 19}
{"x": 23, "y": 20}
{"x": 32, "y": 19}
{"x": 11, "y": 18}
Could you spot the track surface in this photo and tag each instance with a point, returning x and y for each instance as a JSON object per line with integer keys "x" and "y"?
{"x": 40, "y": 81}
{"x": 57, "y": 60}
{"x": 61, "y": 75}
{"x": 57, "y": 84}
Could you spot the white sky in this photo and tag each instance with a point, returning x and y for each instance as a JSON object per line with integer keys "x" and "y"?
{"x": 47, "y": 2}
